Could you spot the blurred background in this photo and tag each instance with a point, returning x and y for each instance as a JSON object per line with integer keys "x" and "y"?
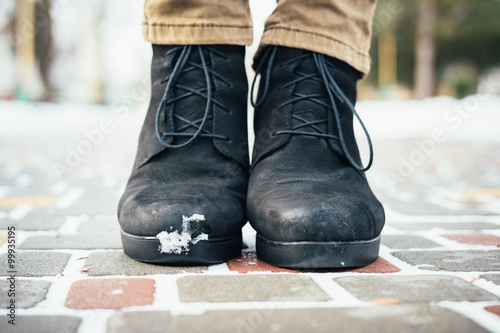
{"x": 83, "y": 51}
{"x": 91, "y": 51}
{"x": 75, "y": 84}
{"x": 429, "y": 48}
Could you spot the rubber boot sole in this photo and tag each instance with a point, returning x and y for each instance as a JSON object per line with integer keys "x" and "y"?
{"x": 318, "y": 254}
{"x": 205, "y": 252}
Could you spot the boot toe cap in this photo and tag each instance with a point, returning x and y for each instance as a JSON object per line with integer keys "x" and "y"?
{"x": 148, "y": 212}
{"x": 330, "y": 219}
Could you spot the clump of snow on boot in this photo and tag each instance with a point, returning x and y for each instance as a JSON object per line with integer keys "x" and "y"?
{"x": 177, "y": 243}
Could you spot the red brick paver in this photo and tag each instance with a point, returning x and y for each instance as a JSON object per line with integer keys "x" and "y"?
{"x": 110, "y": 293}
{"x": 379, "y": 266}
{"x": 475, "y": 239}
{"x": 249, "y": 262}
{"x": 493, "y": 309}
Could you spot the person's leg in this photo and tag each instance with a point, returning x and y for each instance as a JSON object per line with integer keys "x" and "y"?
{"x": 337, "y": 28}
{"x": 185, "y": 199}
{"x": 308, "y": 197}
{"x": 192, "y": 22}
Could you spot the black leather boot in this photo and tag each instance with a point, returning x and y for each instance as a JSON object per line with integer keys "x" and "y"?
{"x": 185, "y": 200}
{"x": 308, "y": 198}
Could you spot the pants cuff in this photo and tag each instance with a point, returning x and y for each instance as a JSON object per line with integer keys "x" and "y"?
{"x": 197, "y": 34}
{"x": 289, "y": 37}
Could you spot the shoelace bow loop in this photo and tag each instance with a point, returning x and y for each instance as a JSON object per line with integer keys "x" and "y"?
{"x": 334, "y": 93}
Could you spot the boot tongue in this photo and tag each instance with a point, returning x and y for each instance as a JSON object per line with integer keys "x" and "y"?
{"x": 192, "y": 107}
{"x": 307, "y": 109}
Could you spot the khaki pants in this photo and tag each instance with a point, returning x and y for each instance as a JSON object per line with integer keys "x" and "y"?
{"x": 338, "y": 28}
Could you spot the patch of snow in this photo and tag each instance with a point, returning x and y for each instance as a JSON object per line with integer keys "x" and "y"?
{"x": 177, "y": 243}
{"x": 249, "y": 236}
{"x": 467, "y": 119}
{"x": 117, "y": 292}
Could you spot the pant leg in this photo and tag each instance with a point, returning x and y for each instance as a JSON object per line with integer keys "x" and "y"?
{"x": 184, "y": 22}
{"x": 338, "y": 28}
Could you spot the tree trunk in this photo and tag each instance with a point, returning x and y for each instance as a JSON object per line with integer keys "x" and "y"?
{"x": 425, "y": 49}
{"x": 43, "y": 45}
{"x": 25, "y": 49}
{"x": 387, "y": 63}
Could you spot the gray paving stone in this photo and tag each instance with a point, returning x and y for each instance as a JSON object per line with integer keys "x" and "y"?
{"x": 35, "y": 263}
{"x": 95, "y": 201}
{"x": 34, "y": 222}
{"x": 398, "y": 318}
{"x": 246, "y": 288}
{"x": 455, "y": 261}
{"x": 408, "y": 242}
{"x": 118, "y": 263}
{"x": 27, "y": 292}
{"x": 426, "y": 208}
{"x": 414, "y": 289}
{"x": 84, "y": 241}
{"x": 106, "y": 207}
{"x": 99, "y": 225}
{"x": 446, "y": 226}
{"x": 495, "y": 278}
{"x": 42, "y": 324}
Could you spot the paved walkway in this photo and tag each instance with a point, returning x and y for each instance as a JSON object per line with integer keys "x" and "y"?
{"x": 62, "y": 169}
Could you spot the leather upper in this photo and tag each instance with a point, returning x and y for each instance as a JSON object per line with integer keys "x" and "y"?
{"x": 302, "y": 187}
{"x": 208, "y": 176}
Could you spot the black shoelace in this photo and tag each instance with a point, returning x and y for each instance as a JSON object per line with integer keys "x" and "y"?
{"x": 334, "y": 93}
{"x": 182, "y": 66}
